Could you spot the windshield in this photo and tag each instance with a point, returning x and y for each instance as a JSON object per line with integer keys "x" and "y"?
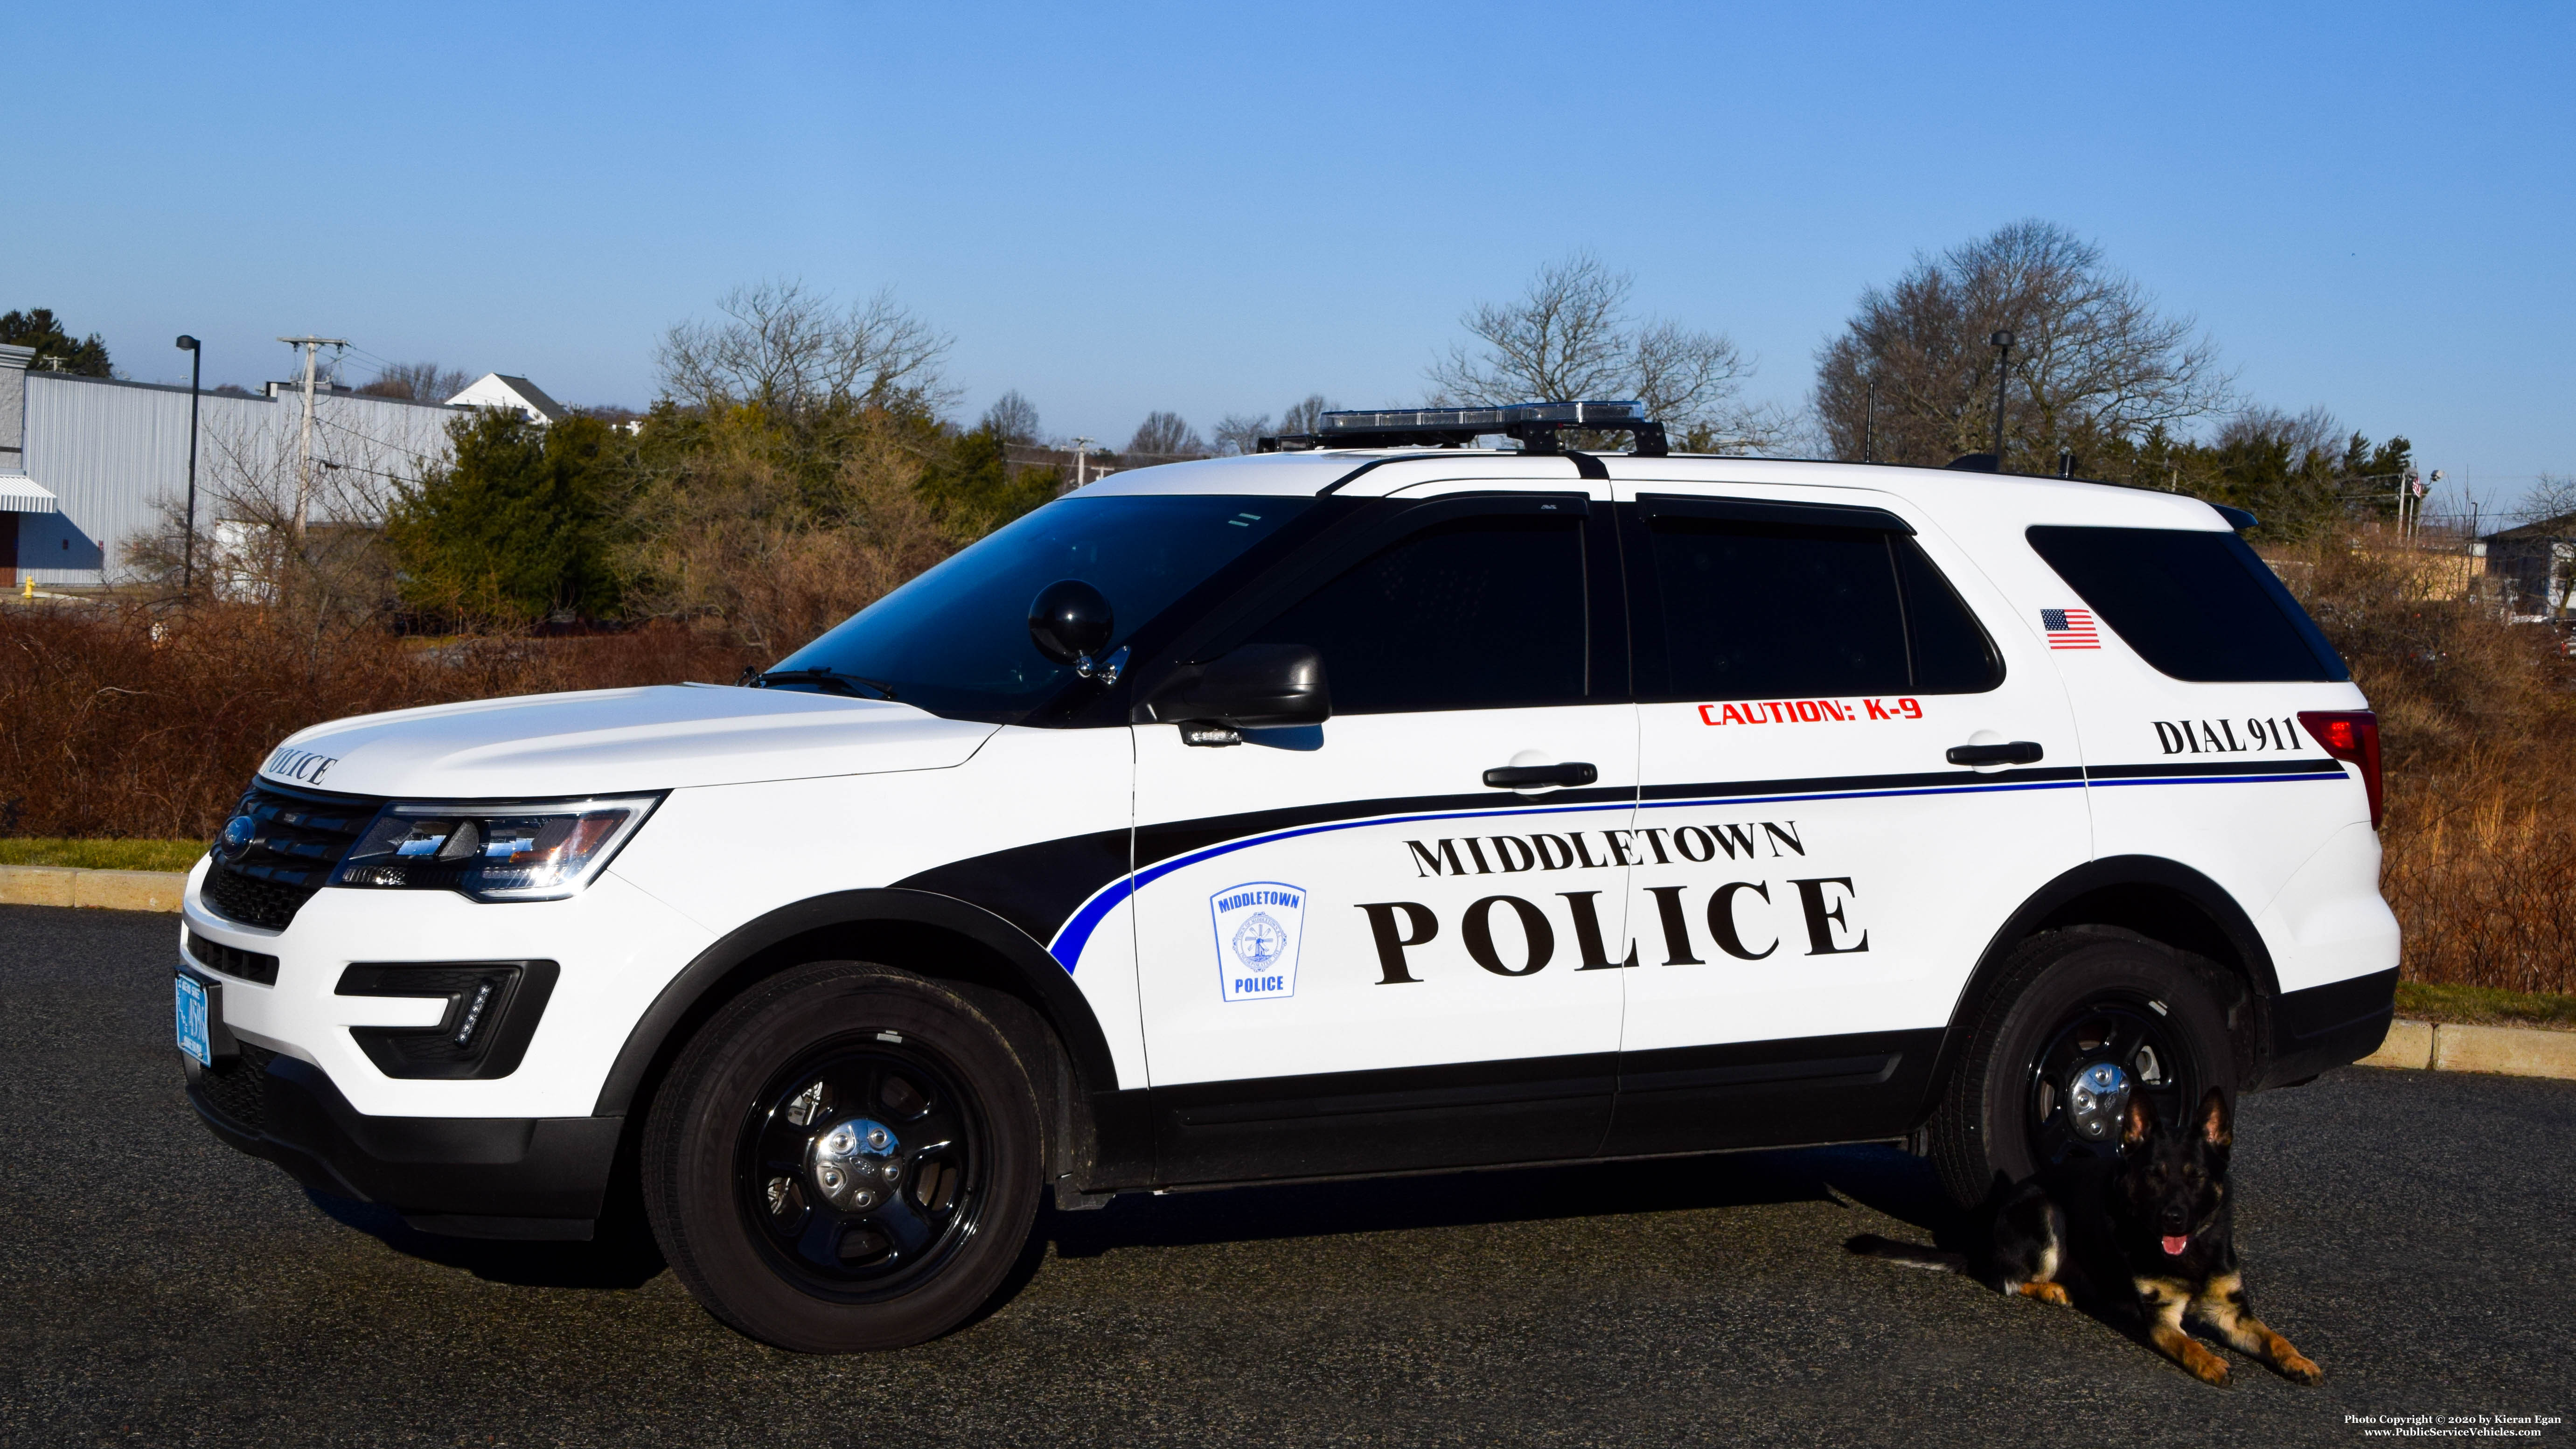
{"x": 955, "y": 641}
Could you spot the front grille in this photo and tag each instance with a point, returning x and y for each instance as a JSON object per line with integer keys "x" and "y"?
{"x": 297, "y": 837}
{"x": 236, "y": 1088}
{"x": 233, "y": 960}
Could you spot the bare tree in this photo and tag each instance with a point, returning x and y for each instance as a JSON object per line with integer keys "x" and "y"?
{"x": 2552, "y": 499}
{"x": 1306, "y": 414}
{"x": 1571, "y": 338}
{"x": 782, "y": 346}
{"x": 2312, "y": 441}
{"x": 1237, "y": 433}
{"x": 1913, "y": 372}
{"x": 330, "y": 572}
{"x": 1013, "y": 419}
{"x": 418, "y": 381}
{"x": 1164, "y": 436}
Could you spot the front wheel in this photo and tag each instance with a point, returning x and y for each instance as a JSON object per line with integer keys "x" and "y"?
{"x": 2082, "y": 1024}
{"x": 846, "y": 1157}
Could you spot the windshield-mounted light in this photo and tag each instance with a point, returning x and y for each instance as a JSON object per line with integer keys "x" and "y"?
{"x": 538, "y": 851}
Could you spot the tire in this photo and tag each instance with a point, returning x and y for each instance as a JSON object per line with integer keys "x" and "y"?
{"x": 846, "y": 1157}
{"x": 2071, "y": 1001}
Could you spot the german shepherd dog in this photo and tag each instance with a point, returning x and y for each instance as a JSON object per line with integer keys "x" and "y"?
{"x": 2153, "y": 1227}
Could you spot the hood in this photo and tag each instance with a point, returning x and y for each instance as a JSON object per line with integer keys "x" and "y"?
{"x": 605, "y": 741}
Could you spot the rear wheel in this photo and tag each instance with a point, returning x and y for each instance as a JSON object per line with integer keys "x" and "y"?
{"x": 2082, "y": 1024}
{"x": 844, "y": 1158}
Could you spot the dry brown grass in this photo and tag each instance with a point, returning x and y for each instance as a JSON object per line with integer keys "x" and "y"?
{"x": 117, "y": 722}
{"x": 2478, "y": 725}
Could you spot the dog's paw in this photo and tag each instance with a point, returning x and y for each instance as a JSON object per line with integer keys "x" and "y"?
{"x": 2299, "y": 1368}
{"x": 2205, "y": 1366}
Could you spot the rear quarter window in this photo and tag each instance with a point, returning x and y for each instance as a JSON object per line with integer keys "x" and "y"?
{"x": 2197, "y": 605}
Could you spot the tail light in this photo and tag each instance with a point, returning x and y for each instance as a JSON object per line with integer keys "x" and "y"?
{"x": 2350, "y": 735}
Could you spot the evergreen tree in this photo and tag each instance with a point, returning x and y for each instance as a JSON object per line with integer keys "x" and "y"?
{"x": 38, "y": 328}
{"x": 513, "y": 528}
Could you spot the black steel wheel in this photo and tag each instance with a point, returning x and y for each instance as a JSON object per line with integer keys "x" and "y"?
{"x": 2083, "y": 1024}
{"x": 2079, "y": 1083}
{"x": 845, "y": 1157}
{"x": 862, "y": 1168}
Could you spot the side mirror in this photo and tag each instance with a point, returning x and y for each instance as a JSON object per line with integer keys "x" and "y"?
{"x": 1257, "y": 686}
{"x": 1070, "y": 622}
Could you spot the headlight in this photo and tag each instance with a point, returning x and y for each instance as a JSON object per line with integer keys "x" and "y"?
{"x": 530, "y": 852}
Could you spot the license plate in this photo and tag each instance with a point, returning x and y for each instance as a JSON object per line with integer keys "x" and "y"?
{"x": 193, "y": 1038}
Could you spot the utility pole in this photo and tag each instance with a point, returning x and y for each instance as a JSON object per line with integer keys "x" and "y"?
{"x": 1081, "y": 456}
{"x": 188, "y": 546}
{"x": 304, "y": 475}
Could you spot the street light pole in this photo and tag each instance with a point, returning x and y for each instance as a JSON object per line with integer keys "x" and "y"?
{"x": 2002, "y": 343}
{"x": 188, "y": 547}
{"x": 1868, "y": 412}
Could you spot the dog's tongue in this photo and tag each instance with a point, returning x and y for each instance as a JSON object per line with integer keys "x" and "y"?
{"x": 2175, "y": 1243}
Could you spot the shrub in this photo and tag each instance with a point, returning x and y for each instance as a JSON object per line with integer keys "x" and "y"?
{"x": 121, "y": 724}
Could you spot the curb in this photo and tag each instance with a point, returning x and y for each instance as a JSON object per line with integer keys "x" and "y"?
{"x": 107, "y": 890}
{"x": 2509, "y": 1051}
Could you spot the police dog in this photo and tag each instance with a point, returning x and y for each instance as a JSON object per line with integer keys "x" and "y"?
{"x": 2152, "y": 1228}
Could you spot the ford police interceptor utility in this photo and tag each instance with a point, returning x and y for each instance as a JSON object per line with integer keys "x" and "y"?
{"x": 1376, "y": 804}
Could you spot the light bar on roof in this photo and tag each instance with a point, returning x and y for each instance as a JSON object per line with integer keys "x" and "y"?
{"x": 1535, "y": 425}
{"x": 1484, "y": 420}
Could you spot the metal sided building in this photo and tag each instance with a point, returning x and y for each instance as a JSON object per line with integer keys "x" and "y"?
{"x": 88, "y": 464}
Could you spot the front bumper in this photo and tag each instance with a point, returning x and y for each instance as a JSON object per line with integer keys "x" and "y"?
{"x": 503, "y": 1177}
{"x": 515, "y": 1151}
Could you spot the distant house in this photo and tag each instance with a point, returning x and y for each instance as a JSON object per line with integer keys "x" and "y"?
{"x": 501, "y": 390}
{"x": 2537, "y": 561}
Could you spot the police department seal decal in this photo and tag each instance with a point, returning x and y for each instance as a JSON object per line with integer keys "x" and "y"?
{"x": 1258, "y": 927}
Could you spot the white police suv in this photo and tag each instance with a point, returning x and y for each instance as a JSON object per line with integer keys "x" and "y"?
{"x": 1377, "y": 804}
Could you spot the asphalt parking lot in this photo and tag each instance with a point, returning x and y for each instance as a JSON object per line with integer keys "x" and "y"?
{"x": 2407, "y": 1230}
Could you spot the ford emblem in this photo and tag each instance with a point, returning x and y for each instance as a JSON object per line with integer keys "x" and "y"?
{"x": 237, "y": 834}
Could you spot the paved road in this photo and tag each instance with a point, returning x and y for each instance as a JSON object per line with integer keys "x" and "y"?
{"x": 2407, "y": 1230}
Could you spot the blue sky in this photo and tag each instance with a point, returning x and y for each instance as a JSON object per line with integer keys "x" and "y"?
{"x": 1221, "y": 208}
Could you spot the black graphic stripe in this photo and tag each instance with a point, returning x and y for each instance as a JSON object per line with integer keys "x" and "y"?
{"x": 1863, "y": 784}
{"x": 1039, "y": 887}
{"x": 2217, "y": 767}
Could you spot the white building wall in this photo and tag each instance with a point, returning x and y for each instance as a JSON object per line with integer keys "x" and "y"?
{"x": 113, "y": 452}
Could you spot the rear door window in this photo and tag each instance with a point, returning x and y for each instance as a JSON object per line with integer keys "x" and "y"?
{"x": 2198, "y": 605}
{"x": 1746, "y": 609}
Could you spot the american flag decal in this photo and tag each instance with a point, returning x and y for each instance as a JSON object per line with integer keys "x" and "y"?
{"x": 2069, "y": 629}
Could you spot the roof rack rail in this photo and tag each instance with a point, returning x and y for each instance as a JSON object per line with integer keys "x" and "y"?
{"x": 1535, "y": 425}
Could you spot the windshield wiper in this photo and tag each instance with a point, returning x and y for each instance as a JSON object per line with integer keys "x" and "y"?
{"x": 833, "y": 680}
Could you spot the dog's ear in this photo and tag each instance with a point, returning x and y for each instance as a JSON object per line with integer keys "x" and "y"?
{"x": 2217, "y": 1125}
{"x": 2139, "y": 1127}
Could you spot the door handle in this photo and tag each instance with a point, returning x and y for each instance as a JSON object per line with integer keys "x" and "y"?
{"x": 2016, "y": 752}
{"x": 1521, "y": 777}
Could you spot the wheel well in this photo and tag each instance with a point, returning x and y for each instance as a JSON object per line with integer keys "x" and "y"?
{"x": 2171, "y": 918}
{"x": 2147, "y": 899}
{"x": 978, "y": 968}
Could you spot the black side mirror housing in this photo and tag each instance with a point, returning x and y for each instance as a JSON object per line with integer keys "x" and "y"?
{"x": 1254, "y": 687}
{"x": 1070, "y": 621}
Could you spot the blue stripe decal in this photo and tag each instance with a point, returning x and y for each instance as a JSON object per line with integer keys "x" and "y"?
{"x": 1069, "y": 942}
